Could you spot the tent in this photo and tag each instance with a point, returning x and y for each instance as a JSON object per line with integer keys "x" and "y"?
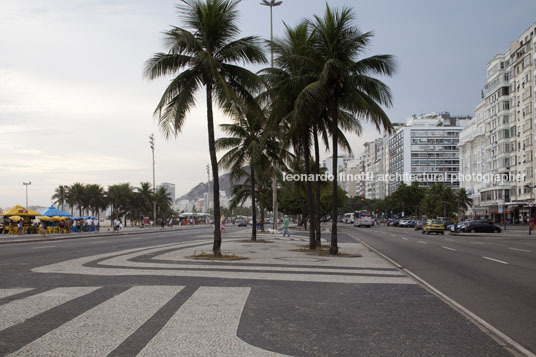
{"x": 53, "y": 211}
{"x": 19, "y": 211}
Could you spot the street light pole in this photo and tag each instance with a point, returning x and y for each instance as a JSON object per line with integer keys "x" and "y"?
{"x": 27, "y": 184}
{"x": 151, "y": 143}
{"x": 271, "y": 4}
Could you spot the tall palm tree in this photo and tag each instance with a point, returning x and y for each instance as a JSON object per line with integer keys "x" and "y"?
{"x": 60, "y": 195}
{"x": 76, "y": 196}
{"x": 344, "y": 82}
{"x": 96, "y": 198}
{"x": 163, "y": 203}
{"x": 204, "y": 54}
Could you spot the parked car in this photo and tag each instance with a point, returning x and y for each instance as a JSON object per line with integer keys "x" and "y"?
{"x": 481, "y": 227}
{"x": 418, "y": 225}
{"x": 406, "y": 223}
{"x": 242, "y": 223}
{"x": 433, "y": 226}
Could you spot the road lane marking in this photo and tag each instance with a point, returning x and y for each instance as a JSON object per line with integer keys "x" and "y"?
{"x": 404, "y": 238}
{"x": 448, "y": 248}
{"x": 21, "y": 310}
{"x": 211, "y": 311}
{"x": 423, "y": 242}
{"x": 8, "y": 292}
{"x": 477, "y": 243}
{"x": 50, "y": 246}
{"x": 520, "y": 250}
{"x": 496, "y": 260}
{"x": 100, "y": 330}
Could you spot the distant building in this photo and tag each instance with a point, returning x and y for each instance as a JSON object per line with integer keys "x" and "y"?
{"x": 426, "y": 149}
{"x": 341, "y": 161}
{"x": 170, "y": 189}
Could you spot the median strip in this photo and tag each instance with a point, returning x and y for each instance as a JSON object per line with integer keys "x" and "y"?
{"x": 496, "y": 260}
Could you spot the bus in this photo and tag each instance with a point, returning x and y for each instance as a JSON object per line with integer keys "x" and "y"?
{"x": 363, "y": 219}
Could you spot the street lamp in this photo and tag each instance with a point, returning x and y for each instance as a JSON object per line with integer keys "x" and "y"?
{"x": 271, "y": 4}
{"x": 27, "y": 184}
{"x": 151, "y": 144}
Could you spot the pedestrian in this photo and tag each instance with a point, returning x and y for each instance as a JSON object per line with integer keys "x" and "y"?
{"x": 285, "y": 232}
{"x": 163, "y": 223}
{"x": 222, "y": 223}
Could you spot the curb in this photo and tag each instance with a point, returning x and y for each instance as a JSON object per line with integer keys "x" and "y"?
{"x": 98, "y": 235}
{"x": 509, "y": 344}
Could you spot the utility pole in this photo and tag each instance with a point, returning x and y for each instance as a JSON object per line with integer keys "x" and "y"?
{"x": 271, "y": 4}
{"x": 27, "y": 184}
{"x": 151, "y": 143}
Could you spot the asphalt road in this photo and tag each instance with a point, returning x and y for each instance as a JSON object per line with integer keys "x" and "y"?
{"x": 129, "y": 295}
{"x": 492, "y": 275}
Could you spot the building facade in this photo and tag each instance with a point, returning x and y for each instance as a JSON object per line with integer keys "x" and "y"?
{"x": 507, "y": 117}
{"x": 425, "y": 150}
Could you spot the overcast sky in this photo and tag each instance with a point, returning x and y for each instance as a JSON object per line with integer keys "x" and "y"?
{"x": 74, "y": 106}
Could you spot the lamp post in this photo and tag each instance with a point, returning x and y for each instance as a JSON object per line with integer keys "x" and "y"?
{"x": 271, "y": 4}
{"x": 151, "y": 144}
{"x": 27, "y": 184}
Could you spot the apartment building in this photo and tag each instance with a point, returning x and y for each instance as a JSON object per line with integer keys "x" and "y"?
{"x": 425, "y": 150}
{"x": 507, "y": 117}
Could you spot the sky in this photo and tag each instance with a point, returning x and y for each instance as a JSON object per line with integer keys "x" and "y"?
{"x": 75, "y": 107}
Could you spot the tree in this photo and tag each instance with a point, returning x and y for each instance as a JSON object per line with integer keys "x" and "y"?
{"x": 60, "y": 195}
{"x": 144, "y": 197}
{"x": 204, "y": 55}
{"x": 96, "y": 197}
{"x": 120, "y": 197}
{"x": 164, "y": 203}
{"x": 76, "y": 197}
{"x": 463, "y": 201}
{"x": 344, "y": 81}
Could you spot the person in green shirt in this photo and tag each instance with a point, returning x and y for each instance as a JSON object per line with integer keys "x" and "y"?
{"x": 285, "y": 232}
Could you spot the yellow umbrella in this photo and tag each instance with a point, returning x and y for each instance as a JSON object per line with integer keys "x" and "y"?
{"x": 44, "y": 218}
{"x": 19, "y": 211}
{"x": 16, "y": 218}
{"x": 55, "y": 218}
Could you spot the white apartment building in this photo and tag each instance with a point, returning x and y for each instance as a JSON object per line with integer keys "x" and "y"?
{"x": 507, "y": 115}
{"x": 341, "y": 162}
{"x": 472, "y": 146}
{"x": 170, "y": 189}
{"x": 425, "y": 150}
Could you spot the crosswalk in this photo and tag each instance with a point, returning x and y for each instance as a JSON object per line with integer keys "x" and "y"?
{"x": 205, "y": 325}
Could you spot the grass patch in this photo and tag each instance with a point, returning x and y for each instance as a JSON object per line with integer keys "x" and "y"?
{"x": 210, "y": 256}
{"x": 324, "y": 252}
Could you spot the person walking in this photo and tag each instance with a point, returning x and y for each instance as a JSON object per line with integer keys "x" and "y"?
{"x": 285, "y": 232}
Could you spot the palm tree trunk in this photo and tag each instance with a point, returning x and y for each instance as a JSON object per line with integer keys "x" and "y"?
{"x": 253, "y": 205}
{"x": 317, "y": 188}
{"x": 309, "y": 189}
{"x": 334, "y": 248}
{"x": 216, "y": 248}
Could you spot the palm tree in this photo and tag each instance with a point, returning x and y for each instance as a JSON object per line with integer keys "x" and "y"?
{"x": 344, "y": 82}
{"x": 163, "y": 203}
{"x": 120, "y": 198}
{"x": 144, "y": 195}
{"x": 60, "y": 195}
{"x": 96, "y": 198}
{"x": 204, "y": 55}
{"x": 76, "y": 196}
{"x": 463, "y": 200}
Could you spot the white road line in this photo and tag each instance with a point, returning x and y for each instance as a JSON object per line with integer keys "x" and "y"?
{"x": 211, "y": 311}
{"x": 8, "y": 292}
{"x": 422, "y": 242}
{"x": 100, "y": 330}
{"x": 404, "y": 238}
{"x": 477, "y": 243}
{"x": 393, "y": 235}
{"x": 50, "y": 246}
{"x": 21, "y": 310}
{"x": 520, "y": 250}
{"x": 496, "y": 260}
{"x": 448, "y": 248}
